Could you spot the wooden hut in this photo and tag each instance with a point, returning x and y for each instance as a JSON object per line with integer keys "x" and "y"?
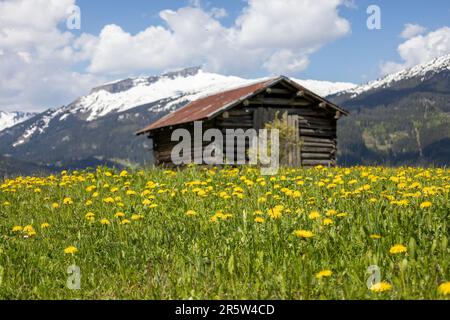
{"x": 313, "y": 118}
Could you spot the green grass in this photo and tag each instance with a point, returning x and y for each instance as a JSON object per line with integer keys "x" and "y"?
{"x": 169, "y": 255}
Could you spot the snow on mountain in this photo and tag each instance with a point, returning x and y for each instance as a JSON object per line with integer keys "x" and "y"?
{"x": 421, "y": 71}
{"x": 325, "y": 88}
{"x": 144, "y": 90}
{"x": 186, "y": 85}
{"x": 9, "y": 119}
{"x": 168, "y": 90}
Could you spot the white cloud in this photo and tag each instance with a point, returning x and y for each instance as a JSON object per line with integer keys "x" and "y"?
{"x": 285, "y": 61}
{"x": 285, "y": 24}
{"x": 412, "y": 30}
{"x": 38, "y": 58}
{"x": 419, "y": 49}
{"x": 219, "y": 13}
{"x": 266, "y": 30}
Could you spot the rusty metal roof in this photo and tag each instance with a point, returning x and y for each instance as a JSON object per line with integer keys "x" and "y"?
{"x": 208, "y": 107}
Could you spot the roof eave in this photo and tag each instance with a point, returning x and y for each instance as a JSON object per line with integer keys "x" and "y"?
{"x": 243, "y": 98}
{"x": 316, "y": 96}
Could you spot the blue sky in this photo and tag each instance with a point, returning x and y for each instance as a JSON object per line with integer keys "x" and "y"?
{"x": 43, "y": 63}
{"x": 353, "y": 58}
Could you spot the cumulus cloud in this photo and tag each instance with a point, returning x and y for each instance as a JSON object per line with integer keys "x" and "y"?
{"x": 37, "y": 57}
{"x": 419, "y": 49}
{"x": 44, "y": 65}
{"x": 266, "y": 30}
{"x": 412, "y": 30}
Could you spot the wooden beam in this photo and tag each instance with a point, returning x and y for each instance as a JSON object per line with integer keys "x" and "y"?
{"x": 315, "y": 156}
{"x": 301, "y": 94}
{"x": 279, "y": 91}
{"x": 280, "y": 102}
{"x": 314, "y": 162}
{"x": 338, "y": 115}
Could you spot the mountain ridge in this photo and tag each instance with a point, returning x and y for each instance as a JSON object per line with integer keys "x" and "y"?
{"x": 101, "y": 124}
{"x": 11, "y": 118}
{"x": 401, "y": 119}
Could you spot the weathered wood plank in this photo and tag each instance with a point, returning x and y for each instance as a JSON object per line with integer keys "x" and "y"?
{"x": 328, "y": 150}
{"x": 314, "y": 162}
{"x": 318, "y": 144}
{"x": 319, "y": 140}
{"x": 315, "y": 156}
{"x": 279, "y": 102}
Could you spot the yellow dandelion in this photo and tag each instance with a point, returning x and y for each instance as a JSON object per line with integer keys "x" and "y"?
{"x": 31, "y": 233}
{"x": 444, "y": 288}
{"x": 68, "y": 201}
{"x": 70, "y": 250}
{"x": 28, "y": 228}
{"x": 55, "y": 205}
{"x": 324, "y": 274}
{"x": 124, "y": 173}
{"x": 304, "y": 234}
{"x": 45, "y": 225}
{"x": 119, "y": 215}
{"x": 425, "y": 205}
{"x": 105, "y": 222}
{"x": 327, "y": 222}
{"x": 314, "y": 215}
{"x": 276, "y": 212}
{"x": 108, "y": 200}
{"x": 125, "y": 221}
{"x": 375, "y": 236}
{"x": 91, "y": 188}
{"x": 398, "y": 248}
{"x": 17, "y": 229}
{"x": 381, "y": 287}
{"x": 136, "y": 217}
{"x": 259, "y": 220}
{"x": 90, "y": 216}
{"x": 191, "y": 213}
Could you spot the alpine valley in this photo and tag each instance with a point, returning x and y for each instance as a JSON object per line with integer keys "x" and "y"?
{"x": 401, "y": 119}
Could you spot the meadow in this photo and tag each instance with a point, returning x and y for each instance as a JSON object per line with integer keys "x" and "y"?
{"x": 230, "y": 233}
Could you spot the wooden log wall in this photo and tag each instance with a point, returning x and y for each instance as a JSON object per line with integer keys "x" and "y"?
{"x": 316, "y": 126}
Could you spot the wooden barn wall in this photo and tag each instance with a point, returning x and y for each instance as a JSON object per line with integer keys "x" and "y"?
{"x": 317, "y": 126}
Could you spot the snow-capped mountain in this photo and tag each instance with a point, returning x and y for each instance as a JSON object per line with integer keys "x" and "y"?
{"x": 420, "y": 73}
{"x": 401, "y": 119}
{"x": 185, "y": 85}
{"x": 100, "y": 125}
{"x": 166, "y": 92}
{"x": 9, "y": 119}
{"x": 326, "y": 88}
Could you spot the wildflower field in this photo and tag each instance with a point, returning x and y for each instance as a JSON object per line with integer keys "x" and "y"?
{"x": 321, "y": 233}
